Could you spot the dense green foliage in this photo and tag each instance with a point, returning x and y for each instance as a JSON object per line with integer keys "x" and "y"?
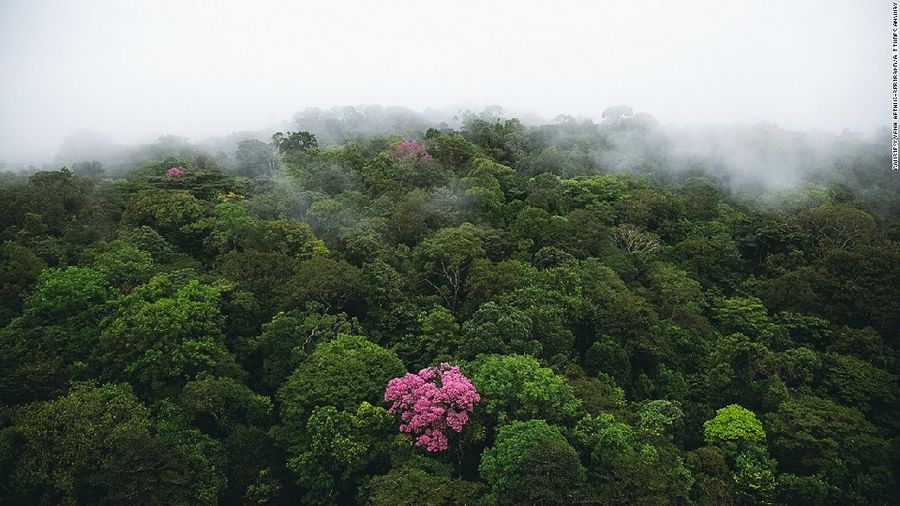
{"x": 225, "y": 333}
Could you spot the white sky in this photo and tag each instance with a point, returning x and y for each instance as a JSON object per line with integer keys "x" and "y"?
{"x": 138, "y": 69}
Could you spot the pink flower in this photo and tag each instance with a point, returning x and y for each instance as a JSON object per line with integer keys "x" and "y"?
{"x": 174, "y": 172}
{"x": 409, "y": 150}
{"x": 430, "y": 402}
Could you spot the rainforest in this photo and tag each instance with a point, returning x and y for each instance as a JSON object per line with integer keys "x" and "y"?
{"x": 468, "y": 253}
{"x": 377, "y": 308}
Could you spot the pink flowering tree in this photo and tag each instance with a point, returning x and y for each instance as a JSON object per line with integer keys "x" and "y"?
{"x": 431, "y": 402}
{"x": 174, "y": 172}
{"x": 409, "y": 150}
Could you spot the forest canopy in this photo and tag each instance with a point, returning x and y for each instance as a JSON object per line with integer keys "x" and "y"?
{"x": 380, "y": 308}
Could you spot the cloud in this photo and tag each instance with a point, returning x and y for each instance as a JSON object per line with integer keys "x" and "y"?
{"x": 139, "y": 69}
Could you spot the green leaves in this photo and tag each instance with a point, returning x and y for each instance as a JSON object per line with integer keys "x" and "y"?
{"x": 165, "y": 334}
{"x": 518, "y": 456}
{"x": 66, "y": 293}
{"x": 170, "y": 213}
{"x": 340, "y": 373}
{"x": 516, "y": 387}
{"x": 227, "y": 402}
{"x": 445, "y": 258}
{"x": 287, "y": 340}
{"x": 98, "y": 444}
{"x": 334, "y": 284}
{"x": 499, "y": 329}
{"x": 740, "y": 434}
{"x": 734, "y": 425}
{"x": 336, "y": 449}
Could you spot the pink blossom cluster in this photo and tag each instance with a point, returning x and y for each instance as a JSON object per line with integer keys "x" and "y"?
{"x": 411, "y": 150}
{"x": 430, "y": 402}
{"x": 174, "y": 172}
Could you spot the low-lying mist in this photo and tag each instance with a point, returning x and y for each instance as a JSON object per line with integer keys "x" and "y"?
{"x": 749, "y": 158}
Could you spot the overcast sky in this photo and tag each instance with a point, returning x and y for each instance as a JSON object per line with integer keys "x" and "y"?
{"x": 138, "y": 69}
